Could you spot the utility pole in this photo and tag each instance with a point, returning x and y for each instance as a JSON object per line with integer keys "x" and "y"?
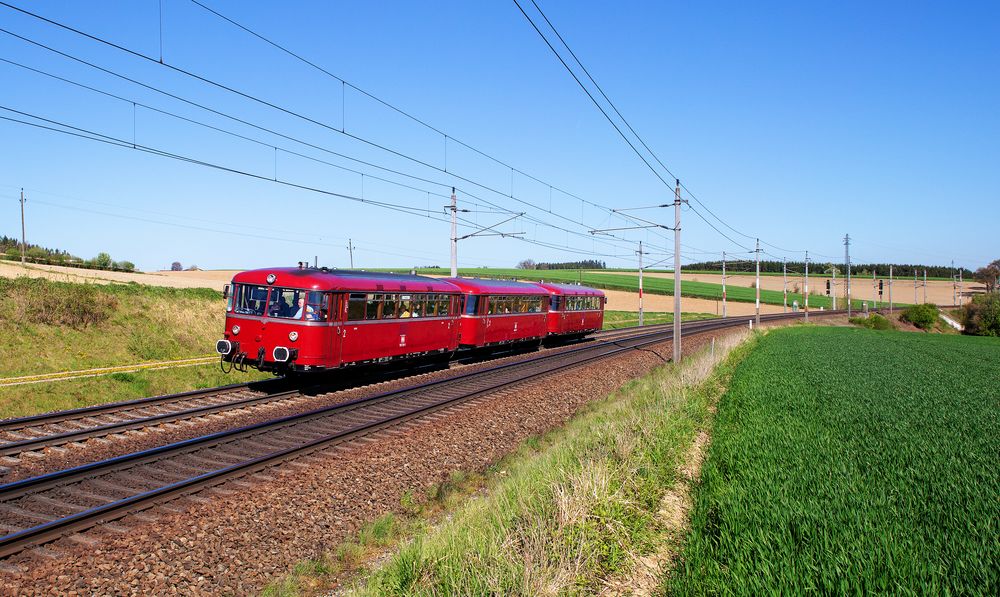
{"x": 833, "y": 288}
{"x": 24, "y": 243}
{"x": 350, "y": 250}
{"x": 454, "y": 234}
{"x": 723, "y": 283}
{"x": 807, "y": 286}
{"x": 914, "y": 286}
{"x": 959, "y": 286}
{"x": 784, "y": 276}
{"x": 925, "y": 286}
{"x": 890, "y": 289}
{"x": 640, "y": 283}
{"x": 874, "y": 290}
{"x": 677, "y": 272}
{"x": 847, "y": 264}
{"x": 756, "y": 253}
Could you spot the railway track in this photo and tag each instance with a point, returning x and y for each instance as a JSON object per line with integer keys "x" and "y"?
{"x": 35, "y": 433}
{"x": 44, "y": 508}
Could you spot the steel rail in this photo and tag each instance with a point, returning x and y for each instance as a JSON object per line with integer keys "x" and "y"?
{"x": 61, "y": 525}
{"x": 31, "y": 424}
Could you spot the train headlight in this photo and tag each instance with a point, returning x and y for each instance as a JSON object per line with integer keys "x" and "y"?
{"x": 236, "y": 330}
{"x": 293, "y": 336}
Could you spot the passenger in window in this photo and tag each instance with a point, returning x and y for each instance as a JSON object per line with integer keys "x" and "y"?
{"x": 309, "y": 312}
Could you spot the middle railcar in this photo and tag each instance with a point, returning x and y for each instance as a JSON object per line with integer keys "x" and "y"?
{"x": 501, "y": 312}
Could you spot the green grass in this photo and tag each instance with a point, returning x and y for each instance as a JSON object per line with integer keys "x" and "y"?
{"x": 30, "y": 399}
{"x": 620, "y": 319}
{"x": 848, "y": 461}
{"x": 48, "y": 327}
{"x": 568, "y": 509}
{"x": 618, "y": 281}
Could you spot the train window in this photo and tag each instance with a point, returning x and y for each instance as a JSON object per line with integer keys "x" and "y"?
{"x": 250, "y": 299}
{"x": 356, "y": 306}
{"x": 389, "y": 306}
{"x": 372, "y": 306}
{"x": 284, "y": 303}
{"x": 317, "y": 306}
{"x": 406, "y": 302}
{"x": 230, "y": 296}
{"x": 471, "y": 304}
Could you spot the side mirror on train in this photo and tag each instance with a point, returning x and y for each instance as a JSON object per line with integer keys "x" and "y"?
{"x": 225, "y": 291}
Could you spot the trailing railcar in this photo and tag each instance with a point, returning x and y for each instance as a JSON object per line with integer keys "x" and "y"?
{"x": 307, "y": 319}
{"x": 574, "y": 310}
{"x": 501, "y": 312}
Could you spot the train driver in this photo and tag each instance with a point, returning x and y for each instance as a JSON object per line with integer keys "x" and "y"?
{"x": 307, "y": 309}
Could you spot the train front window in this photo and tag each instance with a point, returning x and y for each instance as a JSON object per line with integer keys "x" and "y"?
{"x": 250, "y": 299}
{"x": 284, "y": 302}
{"x": 471, "y": 304}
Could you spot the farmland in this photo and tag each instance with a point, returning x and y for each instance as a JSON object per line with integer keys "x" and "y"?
{"x": 868, "y": 466}
{"x": 651, "y": 284}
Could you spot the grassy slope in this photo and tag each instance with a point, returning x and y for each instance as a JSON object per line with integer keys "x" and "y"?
{"x": 567, "y": 510}
{"x": 613, "y": 281}
{"x": 869, "y": 465}
{"x": 141, "y": 324}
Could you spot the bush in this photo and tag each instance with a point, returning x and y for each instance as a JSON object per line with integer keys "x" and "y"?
{"x": 922, "y": 316}
{"x": 981, "y": 316}
{"x": 39, "y": 301}
{"x": 873, "y": 322}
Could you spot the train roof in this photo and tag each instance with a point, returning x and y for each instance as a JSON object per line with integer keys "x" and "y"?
{"x": 338, "y": 279}
{"x": 570, "y": 289}
{"x": 489, "y": 286}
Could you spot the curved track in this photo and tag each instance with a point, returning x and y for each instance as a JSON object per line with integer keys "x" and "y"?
{"x": 44, "y": 508}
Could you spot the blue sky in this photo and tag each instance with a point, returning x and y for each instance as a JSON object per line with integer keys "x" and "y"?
{"x": 795, "y": 121}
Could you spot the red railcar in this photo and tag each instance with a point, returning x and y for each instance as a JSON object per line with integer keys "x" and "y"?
{"x": 501, "y": 312}
{"x": 304, "y": 319}
{"x": 574, "y": 310}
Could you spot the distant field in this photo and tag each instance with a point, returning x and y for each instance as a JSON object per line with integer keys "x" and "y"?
{"x": 652, "y": 285}
{"x": 620, "y": 319}
{"x": 851, "y": 461}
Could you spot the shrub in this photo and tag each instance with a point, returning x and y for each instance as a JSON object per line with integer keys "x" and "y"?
{"x": 35, "y": 300}
{"x": 873, "y": 322}
{"x": 922, "y": 316}
{"x": 981, "y": 316}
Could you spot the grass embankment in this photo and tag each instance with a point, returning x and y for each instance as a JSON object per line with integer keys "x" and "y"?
{"x": 618, "y": 281}
{"x": 620, "y": 319}
{"x": 564, "y": 512}
{"x": 48, "y": 327}
{"x": 852, "y": 461}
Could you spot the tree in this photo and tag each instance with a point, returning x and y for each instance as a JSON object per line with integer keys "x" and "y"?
{"x": 526, "y": 264}
{"x": 176, "y": 266}
{"x": 981, "y": 315}
{"x": 103, "y": 260}
{"x": 989, "y": 276}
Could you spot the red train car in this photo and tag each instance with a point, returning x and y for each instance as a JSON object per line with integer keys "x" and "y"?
{"x": 304, "y": 319}
{"x": 574, "y": 310}
{"x": 501, "y": 312}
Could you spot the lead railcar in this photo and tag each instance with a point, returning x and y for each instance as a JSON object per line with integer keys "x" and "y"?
{"x": 307, "y": 319}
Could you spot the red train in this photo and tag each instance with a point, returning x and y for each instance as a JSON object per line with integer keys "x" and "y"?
{"x": 308, "y": 319}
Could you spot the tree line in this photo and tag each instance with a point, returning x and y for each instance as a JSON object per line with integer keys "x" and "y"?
{"x": 10, "y": 248}
{"x": 879, "y": 269}
{"x": 586, "y": 264}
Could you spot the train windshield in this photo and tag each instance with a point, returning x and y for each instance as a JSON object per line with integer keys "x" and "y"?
{"x": 295, "y": 303}
{"x": 250, "y": 299}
